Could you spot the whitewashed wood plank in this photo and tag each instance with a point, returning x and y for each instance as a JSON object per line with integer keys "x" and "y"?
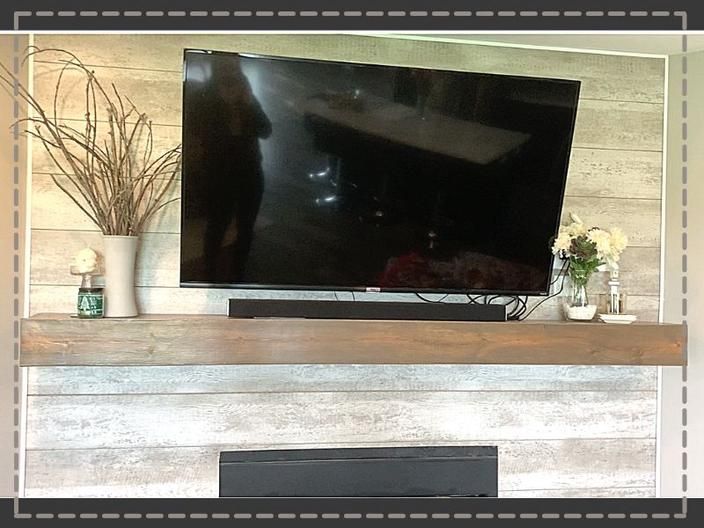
{"x": 72, "y": 422}
{"x": 157, "y": 94}
{"x": 592, "y": 172}
{"x": 585, "y": 493}
{"x": 639, "y": 219}
{"x": 158, "y": 261}
{"x": 62, "y": 299}
{"x": 576, "y": 463}
{"x": 600, "y": 123}
{"x": 639, "y": 274}
{"x": 335, "y": 378}
{"x": 164, "y": 138}
{"x": 614, "y": 173}
{"x": 560, "y": 465}
{"x": 603, "y": 76}
{"x": 645, "y": 307}
{"x": 618, "y": 125}
{"x": 167, "y": 300}
{"x": 52, "y": 209}
{"x": 122, "y": 473}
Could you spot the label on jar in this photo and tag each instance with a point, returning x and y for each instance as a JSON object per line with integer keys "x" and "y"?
{"x": 90, "y": 304}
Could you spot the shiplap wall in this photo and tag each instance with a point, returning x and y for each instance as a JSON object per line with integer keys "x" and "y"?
{"x": 156, "y": 431}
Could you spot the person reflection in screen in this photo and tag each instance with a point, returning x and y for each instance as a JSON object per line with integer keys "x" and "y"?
{"x": 233, "y": 124}
{"x": 412, "y": 87}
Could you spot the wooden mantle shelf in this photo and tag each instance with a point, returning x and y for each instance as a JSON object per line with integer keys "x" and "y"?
{"x": 61, "y": 340}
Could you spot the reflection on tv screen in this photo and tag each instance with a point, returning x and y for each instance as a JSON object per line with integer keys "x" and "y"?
{"x": 313, "y": 174}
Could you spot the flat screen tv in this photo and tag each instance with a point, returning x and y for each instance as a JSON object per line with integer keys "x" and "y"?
{"x": 315, "y": 174}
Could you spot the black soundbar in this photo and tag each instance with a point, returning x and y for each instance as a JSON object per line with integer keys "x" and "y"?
{"x": 420, "y": 311}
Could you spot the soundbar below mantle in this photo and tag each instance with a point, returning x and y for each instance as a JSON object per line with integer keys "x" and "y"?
{"x": 61, "y": 340}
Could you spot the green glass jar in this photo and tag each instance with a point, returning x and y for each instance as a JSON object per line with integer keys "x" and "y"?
{"x": 90, "y": 303}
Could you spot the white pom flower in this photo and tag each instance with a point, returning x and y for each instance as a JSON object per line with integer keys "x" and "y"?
{"x": 619, "y": 240}
{"x": 602, "y": 240}
{"x": 86, "y": 261}
{"x": 577, "y": 229}
{"x": 562, "y": 243}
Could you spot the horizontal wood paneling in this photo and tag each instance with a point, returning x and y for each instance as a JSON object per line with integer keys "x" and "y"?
{"x": 158, "y": 261}
{"x": 157, "y": 264}
{"x": 157, "y": 93}
{"x": 620, "y": 125}
{"x": 639, "y": 218}
{"x": 614, "y": 174}
{"x": 640, "y": 272}
{"x": 193, "y": 472}
{"x": 164, "y": 138}
{"x": 617, "y": 183}
{"x": 582, "y": 493}
{"x": 48, "y": 298}
{"x": 337, "y": 378}
{"x": 52, "y": 209}
{"x": 73, "y": 422}
{"x": 601, "y": 173}
{"x": 600, "y": 123}
{"x": 603, "y": 76}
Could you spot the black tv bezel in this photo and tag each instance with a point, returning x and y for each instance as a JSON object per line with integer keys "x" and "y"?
{"x": 372, "y": 289}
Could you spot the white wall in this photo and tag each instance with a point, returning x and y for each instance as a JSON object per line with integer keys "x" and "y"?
{"x": 672, "y": 380}
{"x": 7, "y": 274}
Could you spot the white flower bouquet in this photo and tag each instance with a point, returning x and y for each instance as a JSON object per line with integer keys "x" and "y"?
{"x": 586, "y": 249}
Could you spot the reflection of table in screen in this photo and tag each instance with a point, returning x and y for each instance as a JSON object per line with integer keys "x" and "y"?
{"x": 445, "y": 135}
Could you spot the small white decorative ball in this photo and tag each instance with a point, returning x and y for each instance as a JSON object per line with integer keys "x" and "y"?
{"x": 86, "y": 261}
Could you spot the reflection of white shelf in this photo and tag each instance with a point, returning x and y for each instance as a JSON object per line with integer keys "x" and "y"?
{"x": 55, "y": 340}
{"x": 438, "y": 133}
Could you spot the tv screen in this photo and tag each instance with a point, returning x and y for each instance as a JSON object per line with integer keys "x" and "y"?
{"x": 327, "y": 175}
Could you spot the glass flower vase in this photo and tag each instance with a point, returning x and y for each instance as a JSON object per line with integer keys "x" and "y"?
{"x": 577, "y": 307}
{"x": 579, "y": 297}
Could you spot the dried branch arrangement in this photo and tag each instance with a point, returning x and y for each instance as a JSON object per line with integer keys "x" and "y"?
{"x": 106, "y": 165}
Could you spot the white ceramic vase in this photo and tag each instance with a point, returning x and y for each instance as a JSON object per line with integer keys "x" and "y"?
{"x": 120, "y": 254}
{"x": 579, "y": 313}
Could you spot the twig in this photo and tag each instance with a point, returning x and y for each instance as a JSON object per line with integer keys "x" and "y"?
{"x": 108, "y": 169}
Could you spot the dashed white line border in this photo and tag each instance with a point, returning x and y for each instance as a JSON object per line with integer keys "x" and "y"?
{"x": 325, "y": 13}
{"x": 392, "y": 13}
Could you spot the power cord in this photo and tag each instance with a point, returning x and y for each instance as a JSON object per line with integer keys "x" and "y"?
{"x": 516, "y": 305}
{"x": 562, "y": 275}
{"x": 337, "y": 298}
{"x": 441, "y": 299}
